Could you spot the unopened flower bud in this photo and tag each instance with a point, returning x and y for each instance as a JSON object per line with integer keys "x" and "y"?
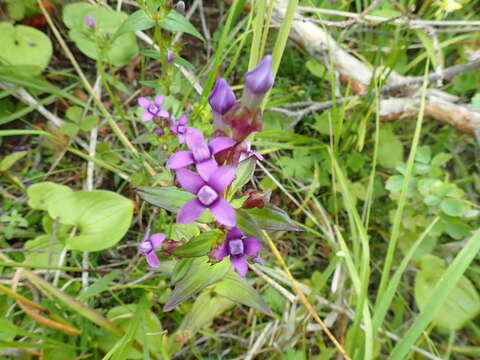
{"x": 222, "y": 97}
{"x": 257, "y": 199}
{"x": 169, "y": 5}
{"x": 90, "y": 20}
{"x": 257, "y": 83}
{"x": 170, "y": 56}
{"x": 181, "y": 7}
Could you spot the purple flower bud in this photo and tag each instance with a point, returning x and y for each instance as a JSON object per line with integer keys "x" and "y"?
{"x": 257, "y": 199}
{"x": 222, "y": 97}
{"x": 170, "y": 56}
{"x": 260, "y": 79}
{"x": 159, "y": 132}
{"x": 90, "y": 20}
{"x": 181, "y": 7}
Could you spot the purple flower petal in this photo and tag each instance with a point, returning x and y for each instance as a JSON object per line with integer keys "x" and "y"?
{"x": 222, "y": 98}
{"x": 181, "y": 138}
{"x": 221, "y": 178}
{"x": 223, "y": 212}
{"x": 189, "y": 180}
{"x": 144, "y": 102}
{"x": 163, "y": 113}
{"x": 191, "y": 211}
{"x": 152, "y": 259}
{"x": 146, "y": 116}
{"x": 251, "y": 246}
{"x": 240, "y": 264}
{"x": 180, "y": 159}
{"x": 183, "y": 120}
{"x": 157, "y": 239}
{"x": 222, "y": 251}
{"x": 207, "y": 168}
{"x": 235, "y": 233}
{"x": 159, "y": 100}
{"x": 220, "y": 143}
{"x": 193, "y": 137}
{"x": 260, "y": 79}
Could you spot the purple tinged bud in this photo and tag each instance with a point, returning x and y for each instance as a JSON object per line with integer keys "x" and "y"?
{"x": 170, "y": 56}
{"x": 180, "y": 7}
{"x": 159, "y": 132}
{"x": 260, "y": 79}
{"x": 90, "y": 20}
{"x": 222, "y": 97}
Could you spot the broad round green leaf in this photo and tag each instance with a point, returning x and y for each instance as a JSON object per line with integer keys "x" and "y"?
{"x": 463, "y": 303}
{"x": 25, "y": 46}
{"x": 452, "y": 207}
{"x": 41, "y": 195}
{"x": 102, "y": 218}
{"x": 118, "y": 52}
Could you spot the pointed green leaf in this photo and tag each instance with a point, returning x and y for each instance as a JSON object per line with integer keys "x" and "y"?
{"x": 176, "y": 22}
{"x": 200, "y": 245}
{"x": 273, "y": 218}
{"x": 237, "y": 289}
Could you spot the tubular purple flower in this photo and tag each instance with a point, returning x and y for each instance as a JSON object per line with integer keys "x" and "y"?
{"x": 152, "y": 109}
{"x": 257, "y": 83}
{"x": 248, "y": 153}
{"x": 200, "y": 154}
{"x": 209, "y": 195}
{"x": 170, "y": 56}
{"x": 181, "y": 7}
{"x": 90, "y": 20}
{"x": 238, "y": 247}
{"x": 148, "y": 246}
{"x": 222, "y": 98}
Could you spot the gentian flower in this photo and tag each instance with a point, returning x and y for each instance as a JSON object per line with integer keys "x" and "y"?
{"x": 90, "y": 20}
{"x": 221, "y": 100}
{"x": 257, "y": 83}
{"x": 181, "y": 7}
{"x": 201, "y": 154}
{"x": 148, "y": 246}
{"x": 180, "y": 129}
{"x": 152, "y": 110}
{"x": 238, "y": 247}
{"x": 209, "y": 195}
{"x": 170, "y": 56}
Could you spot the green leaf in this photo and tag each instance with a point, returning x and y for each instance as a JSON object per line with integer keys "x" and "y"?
{"x": 88, "y": 122}
{"x": 204, "y": 310}
{"x": 169, "y": 198}
{"x": 16, "y": 9}
{"x": 176, "y": 22}
{"x": 99, "y": 286}
{"x": 390, "y": 148}
{"x": 9, "y": 160}
{"x": 452, "y": 207}
{"x": 476, "y": 101}
{"x": 456, "y": 228}
{"x": 42, "y": 194}
{"x": 235, "y": 288}
{"x": 463, "y": 303}
{"x": 199, "y": 275}
{"x": 101, "y": 217}
{"x": 137, "y": 21}
{"x": 245, "y": 171}
{"x": 440, "y": 159}
{"x": 45, "y": 253}
{"x": 423, "y": 155}
{"x": 117, "y": 50}
{"x": 273, "y": 218}
{"x": 199, "y": 245}
{"x": 26, "y": 47}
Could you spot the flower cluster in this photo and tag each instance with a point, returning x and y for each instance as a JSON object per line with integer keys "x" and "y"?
{"x": 206, "y": 169}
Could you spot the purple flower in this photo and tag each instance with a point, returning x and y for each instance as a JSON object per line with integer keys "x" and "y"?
{"x": 152, "y": 110}
{"x": 238, "y": 246}
{"x": 222, "y": 97}
{"x": 260, "y": 79}
{"x": 170, "y": 56}
{"x": 201, "y": 154}
{"x": 180, "y": 129}
{"x": 148, "y": 246}
{"x": 209, "y": 194}
{"x": 181, "y": 7}
{"x": 257, "y": 83}
{"x": 90, "y": 20}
